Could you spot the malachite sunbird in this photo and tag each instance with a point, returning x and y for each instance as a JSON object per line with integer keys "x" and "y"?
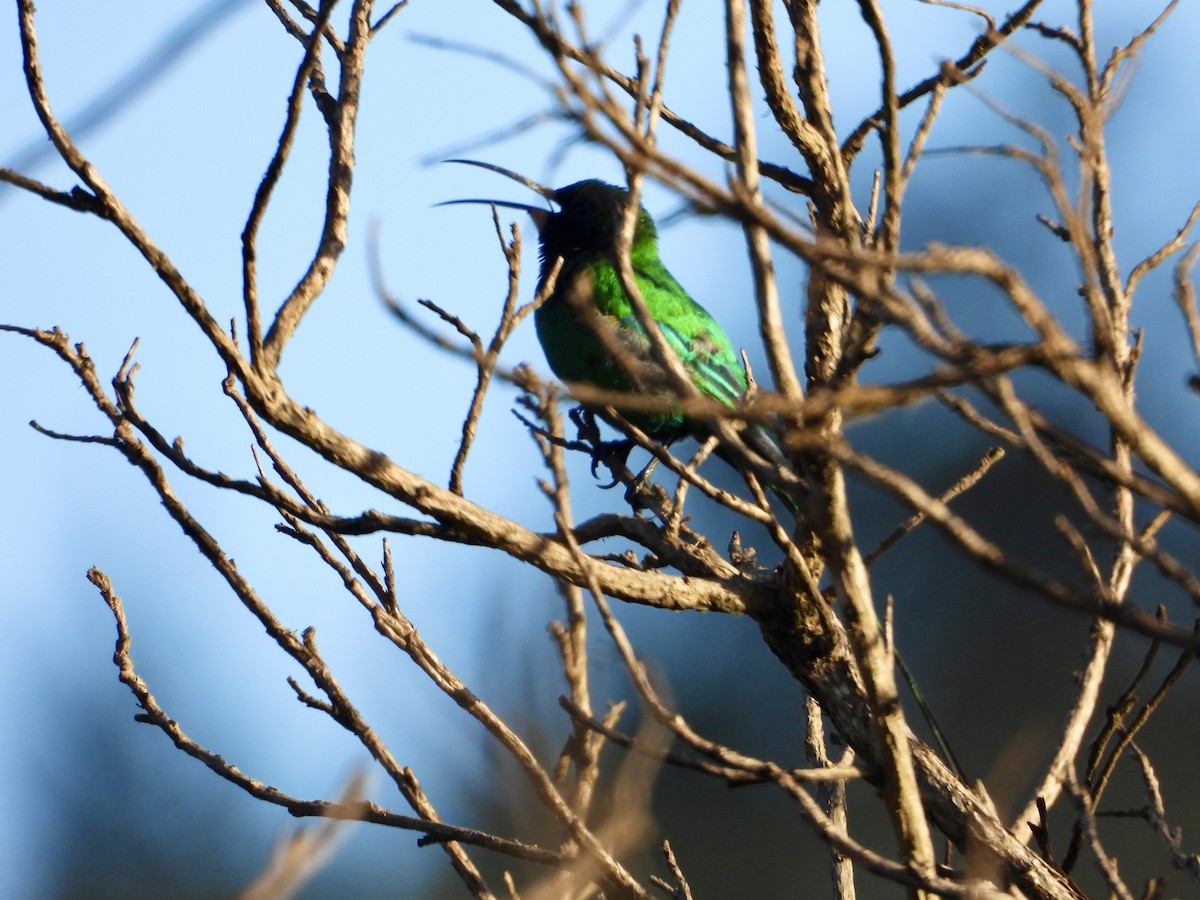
{"x": 583, "y": 233}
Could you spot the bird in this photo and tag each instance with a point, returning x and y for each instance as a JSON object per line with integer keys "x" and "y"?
{"x": 591, "y": 335}
{"x": 588, "y": 295}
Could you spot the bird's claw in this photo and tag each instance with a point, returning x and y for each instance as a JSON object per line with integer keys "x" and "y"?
{"x": 614, "y": 455}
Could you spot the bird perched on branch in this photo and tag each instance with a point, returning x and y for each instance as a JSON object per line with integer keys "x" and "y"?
{"x": 592, "y": 335}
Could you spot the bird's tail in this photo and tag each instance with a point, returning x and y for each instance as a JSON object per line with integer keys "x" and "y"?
{"x": 758, "y": 439}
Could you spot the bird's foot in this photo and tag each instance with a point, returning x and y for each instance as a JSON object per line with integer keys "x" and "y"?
{"x": 613, "y": 455}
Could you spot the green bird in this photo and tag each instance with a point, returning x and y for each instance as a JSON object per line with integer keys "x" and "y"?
{"x": 588, "y": 328}
{"x": 588, "y": 296}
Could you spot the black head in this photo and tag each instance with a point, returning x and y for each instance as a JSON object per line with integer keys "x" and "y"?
{"x": 586, "y": 222}
{"x": 588, "y": 219}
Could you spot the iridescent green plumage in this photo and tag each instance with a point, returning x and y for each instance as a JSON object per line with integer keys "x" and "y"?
{"x": 589, "y": 311}
{"x": 588, "y": 295}
{"x": 582, "y": 233}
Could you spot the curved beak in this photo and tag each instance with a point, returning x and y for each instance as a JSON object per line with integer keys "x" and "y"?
{"x": 535, "y": 212}
{"x": 539, "y": 189}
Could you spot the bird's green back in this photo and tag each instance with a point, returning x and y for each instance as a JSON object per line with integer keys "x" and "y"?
{"x": 588, "y": 278}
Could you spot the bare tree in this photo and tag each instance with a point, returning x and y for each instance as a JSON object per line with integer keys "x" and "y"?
{"x": 818, "y": 608}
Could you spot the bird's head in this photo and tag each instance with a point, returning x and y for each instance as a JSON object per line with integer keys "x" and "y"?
{"x": 587, "y": 220}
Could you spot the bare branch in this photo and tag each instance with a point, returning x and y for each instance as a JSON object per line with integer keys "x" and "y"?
{"x": 337, "y": 197}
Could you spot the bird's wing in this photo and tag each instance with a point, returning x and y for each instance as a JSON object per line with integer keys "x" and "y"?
{"x": 700, "y": 343}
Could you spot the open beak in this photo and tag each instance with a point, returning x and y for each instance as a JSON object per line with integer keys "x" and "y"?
{"x": 537, "y": 213}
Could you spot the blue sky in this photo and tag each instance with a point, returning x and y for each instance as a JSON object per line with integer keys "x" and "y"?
{"x": 185, "y": 152}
